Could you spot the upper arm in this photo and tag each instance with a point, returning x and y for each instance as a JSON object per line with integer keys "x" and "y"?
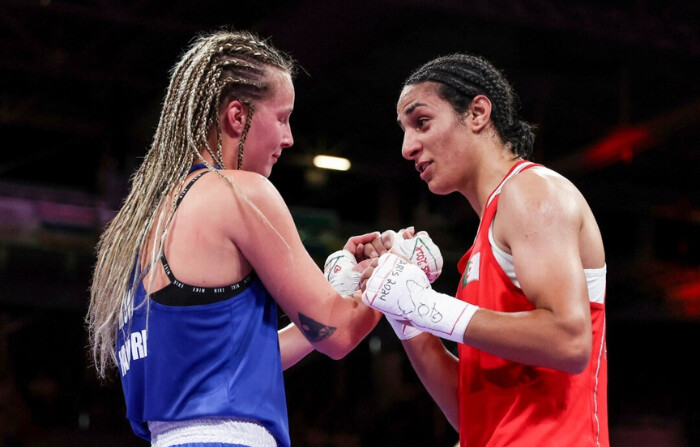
{"x": 265, "y": 233}
{"x": 539, "y": 221}
{"x": 267, "y": 236}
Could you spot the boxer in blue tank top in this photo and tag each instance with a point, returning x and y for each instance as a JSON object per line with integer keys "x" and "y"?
{"x": 212, "y": 352}
{"x": 191, "y": 270}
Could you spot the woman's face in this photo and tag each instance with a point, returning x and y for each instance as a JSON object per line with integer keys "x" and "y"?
{"x": 435, "y": 138}
{"x": 270, "y": 130}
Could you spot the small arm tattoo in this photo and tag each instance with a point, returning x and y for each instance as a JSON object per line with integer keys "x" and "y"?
{"x": 313, "y": 330}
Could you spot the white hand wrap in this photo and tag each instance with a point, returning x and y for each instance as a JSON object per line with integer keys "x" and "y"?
{"x": 401, "y": 290}
{"x": 421, "y": 250}
{"x": 403, "y": 331}
{"x": 339, "y": 272}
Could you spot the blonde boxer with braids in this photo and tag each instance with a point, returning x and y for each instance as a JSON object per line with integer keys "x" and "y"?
{"x": 529, "y": 314}
{"x": 190, "y": 271}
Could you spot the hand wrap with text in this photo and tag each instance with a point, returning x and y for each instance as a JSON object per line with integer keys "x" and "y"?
{"x": 400, "y": 290}
{"x": 339, "y": 272}
{"x": 420, "y": 250}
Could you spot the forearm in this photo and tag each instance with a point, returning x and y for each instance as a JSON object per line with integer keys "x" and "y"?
{"x": 438, "y": 370}
{"x": 559, "y": 339}
{"x": 536, "y": 337}
{"x": 351, "y": 319}
{"x": 350, "y": 328}
{"x": 293, "y": 345}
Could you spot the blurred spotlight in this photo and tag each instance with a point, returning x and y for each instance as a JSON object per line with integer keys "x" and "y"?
{"x": 375, "y": 345}
{"x": 84, "y": 420}
{"x": 330, "y": 162}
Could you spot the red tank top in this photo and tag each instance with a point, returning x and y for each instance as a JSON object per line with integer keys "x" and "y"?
{"x": 504, "y": 403}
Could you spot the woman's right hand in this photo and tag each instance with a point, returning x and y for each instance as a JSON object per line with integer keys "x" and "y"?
{"x": 366, "y": 246}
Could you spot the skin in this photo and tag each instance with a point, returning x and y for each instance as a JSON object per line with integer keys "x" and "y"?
{"x": 540, "y": 216}
{"x": 218, "y": 238}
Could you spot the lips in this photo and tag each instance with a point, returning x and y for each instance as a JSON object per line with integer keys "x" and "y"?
{"x": 422, "y": 167}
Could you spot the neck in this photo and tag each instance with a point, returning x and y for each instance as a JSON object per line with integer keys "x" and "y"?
{"x": 489, "y": 178}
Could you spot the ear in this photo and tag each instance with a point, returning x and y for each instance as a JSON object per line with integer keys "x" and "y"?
{"x": 479, "y": 112}
{"x": 234, "y": 117}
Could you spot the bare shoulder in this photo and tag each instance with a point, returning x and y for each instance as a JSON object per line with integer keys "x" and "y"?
{"x": 233, "y": 201}
{"x": 256, "y": 202}
{"x": 539, "y": 205}
{"x": 251, "y": 183}
{"x": 542, "y": 191}
{"x": 230, "y": 189}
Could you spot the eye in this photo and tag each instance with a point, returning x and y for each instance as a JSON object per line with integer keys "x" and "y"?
{"x": 421, "y": 123}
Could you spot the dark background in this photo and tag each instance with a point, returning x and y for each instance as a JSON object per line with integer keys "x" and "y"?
{"x": 612, "y": 86}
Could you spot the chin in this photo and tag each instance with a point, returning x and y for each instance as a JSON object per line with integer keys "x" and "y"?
{"x": 438, "y": 190}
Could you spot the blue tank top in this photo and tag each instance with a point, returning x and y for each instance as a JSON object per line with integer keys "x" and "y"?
{"x": 190, "y": 360}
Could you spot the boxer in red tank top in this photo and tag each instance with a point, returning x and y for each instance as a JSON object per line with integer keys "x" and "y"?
{"x": 529, "y": 315}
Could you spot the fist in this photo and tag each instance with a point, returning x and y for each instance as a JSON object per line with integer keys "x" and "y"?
{"x": 420, "y": 250}
{"x": 393, "y": 286}
{"x": 341, "y": 271}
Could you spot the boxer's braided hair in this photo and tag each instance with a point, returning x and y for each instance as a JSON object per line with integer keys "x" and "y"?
{"x": 461, "y": 77}
{"x": 216, "y": 68}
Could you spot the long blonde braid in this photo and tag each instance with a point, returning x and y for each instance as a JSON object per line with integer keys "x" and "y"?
{"x": 217, "y": 67}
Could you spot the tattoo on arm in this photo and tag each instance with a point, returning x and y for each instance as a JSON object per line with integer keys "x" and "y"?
{"x": 313, "y": 330}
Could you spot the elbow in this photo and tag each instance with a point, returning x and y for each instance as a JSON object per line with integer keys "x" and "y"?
{"x": 335, "y": 351}
{"x": 337, "y": 345}
{"x": 575, "y": 346}
{"x": 576, "y": 355}
{"x": 576, "y": 364}
{"x": 337, "y": 355}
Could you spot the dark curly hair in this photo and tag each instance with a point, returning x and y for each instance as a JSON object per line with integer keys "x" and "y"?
{"x": 462, "y": 77}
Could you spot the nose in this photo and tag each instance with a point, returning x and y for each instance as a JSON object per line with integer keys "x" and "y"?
{"x": 287, "y": 138}
{"x": 411, "y": 146}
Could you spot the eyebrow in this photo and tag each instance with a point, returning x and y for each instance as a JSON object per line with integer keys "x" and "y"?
{"x": 413, "y": 107}
{"x": 408, "y": 111}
